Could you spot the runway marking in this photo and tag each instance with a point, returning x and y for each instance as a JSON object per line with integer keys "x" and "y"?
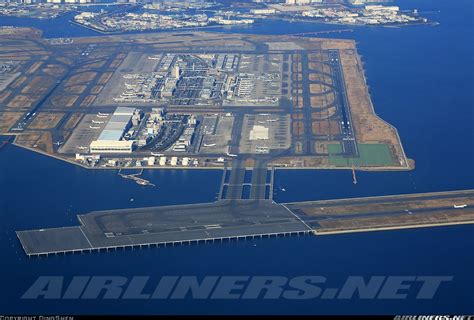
{"x": 296, "y": 216}
{"x": 86, "y": 238}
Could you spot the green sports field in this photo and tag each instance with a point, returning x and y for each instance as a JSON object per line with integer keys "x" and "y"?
{"x": 370, "y": 155}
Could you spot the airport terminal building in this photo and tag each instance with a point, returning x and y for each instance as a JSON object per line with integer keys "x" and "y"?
{"x": 110, "y": 139}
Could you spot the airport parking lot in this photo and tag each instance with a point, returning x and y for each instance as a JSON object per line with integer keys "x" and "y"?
{"x": 215, "y": 132}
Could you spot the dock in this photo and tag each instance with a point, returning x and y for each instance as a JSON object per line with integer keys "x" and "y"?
{"x": 136, "y": 177}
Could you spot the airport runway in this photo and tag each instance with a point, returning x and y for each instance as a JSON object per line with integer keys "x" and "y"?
{"x": 244, "y": 219}
{"x": 222, "y": 220}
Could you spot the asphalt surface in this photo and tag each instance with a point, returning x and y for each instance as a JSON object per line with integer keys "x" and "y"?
{"x": 161, "y": 225}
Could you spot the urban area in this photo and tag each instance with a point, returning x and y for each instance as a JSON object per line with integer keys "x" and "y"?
{"x": 134, "y": 15}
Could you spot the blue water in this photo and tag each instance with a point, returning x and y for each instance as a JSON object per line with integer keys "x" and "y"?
{"x": 420, "y": 80}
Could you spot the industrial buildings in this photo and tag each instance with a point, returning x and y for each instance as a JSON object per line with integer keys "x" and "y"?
{"x": 111, "y": 138}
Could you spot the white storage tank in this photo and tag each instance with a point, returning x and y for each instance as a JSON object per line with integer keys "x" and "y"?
{"x": 185, "y": 161}
{"x": 151, "y": 161}
{"x": 174, "y": 161}
{"x": 162, "y": 161}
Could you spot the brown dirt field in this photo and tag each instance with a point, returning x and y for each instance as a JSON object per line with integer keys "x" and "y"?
{"x": 87, "y": 101}
{"x": 315, "y": 57}
{"x": 297, "y": 76}
{"x": 65, "y": 60}
{"x": 325, "y": 127}
{"x": 104, "y": 78}
{"x": 21, "y": 101}
{"x": 337, "y": 44}
{"x": 297, "y": 128}
{"x": 334, "y": 127}
{"x": 4, "y": 95}
{"x": 321, "y": 101}
{"x": 318, "y": 101}
{"x": 78, "y": 89}
{"x": 316, "y": 66}
{"x": 8, "y": 119}
{"x": 34, "y": 67}
{"x": 18, "y": 82}
{"x": 297, "y": 116}
{"x": 315, "y": 77}
{"x": 79, "y": 78}
{"x": 54, "y": 70}
{"x": 28, "y": 139}
{"x": 73, "y": 121}
{"x": 116, "y": 63}
{"x": 297, "y": 102}
{"x": 296, "y": 67}
{"x": 318, "y": 88}
{"x": 18, "y": 57}
{"x": 327, "y": 79}
{"x": 322, "y": 146}
{"x": 45, "y": 143}
{"x": 96, "y": 89}
{"x": 324, "y": 114}
{"x": 64, "y": 100}
{"x": 38, "y": 85}
{"x": 46, "y": 120}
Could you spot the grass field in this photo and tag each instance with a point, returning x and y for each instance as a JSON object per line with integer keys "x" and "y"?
{"x": 370, "y": 155}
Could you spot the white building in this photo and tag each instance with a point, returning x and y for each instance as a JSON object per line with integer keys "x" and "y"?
{"x": 110, "y": 139}
{"x": 259, "y": 133}
{"x": 262, "y": 11}
{"x": 110, "y": 146}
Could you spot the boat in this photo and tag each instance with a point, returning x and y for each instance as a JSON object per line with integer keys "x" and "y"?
{"x": 460, "y": 206}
